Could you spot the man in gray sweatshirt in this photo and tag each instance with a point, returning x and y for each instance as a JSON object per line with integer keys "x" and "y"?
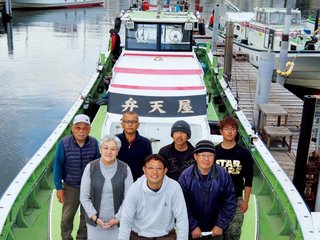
{"x": 154, "y": 205}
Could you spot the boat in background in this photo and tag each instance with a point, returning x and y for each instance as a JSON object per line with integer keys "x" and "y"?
{"x": 39, "y": 4}
{"x": 255, "y": 33}
{"x": 164, "y": 77}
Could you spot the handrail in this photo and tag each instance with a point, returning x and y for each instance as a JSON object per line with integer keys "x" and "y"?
{"x": 297, "y": 205}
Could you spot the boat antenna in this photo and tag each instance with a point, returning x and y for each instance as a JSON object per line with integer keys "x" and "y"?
{"x": 159, "y": 4}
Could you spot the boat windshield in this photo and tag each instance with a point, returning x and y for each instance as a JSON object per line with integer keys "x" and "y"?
{"x": 277, "y": 18}
{"x": 158, "y": 37}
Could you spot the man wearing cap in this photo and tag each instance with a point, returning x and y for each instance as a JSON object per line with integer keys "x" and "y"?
{"x": 209, "y": 194}
{"x": 134, "y": 147}
{"x": 73, "y": 153}
{"x": 179, "y": 153}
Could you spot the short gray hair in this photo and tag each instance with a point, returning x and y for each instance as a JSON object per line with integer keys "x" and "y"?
{"x": 109, "y": 138}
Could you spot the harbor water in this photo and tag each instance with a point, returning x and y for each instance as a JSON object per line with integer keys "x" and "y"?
{"x": 46, "y": 58}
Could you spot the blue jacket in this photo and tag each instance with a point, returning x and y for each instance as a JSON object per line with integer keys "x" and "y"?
{"x": 210, "y": 202}
{"x": 71, "y": 159}
{"x": 134, "y": 153}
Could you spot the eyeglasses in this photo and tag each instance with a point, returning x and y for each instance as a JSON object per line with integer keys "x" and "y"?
{"x": 128, "y": 122}
{"x": 77, "y": 128}
{"x": 205, "y": 156}
{"x": 158, "y": 169}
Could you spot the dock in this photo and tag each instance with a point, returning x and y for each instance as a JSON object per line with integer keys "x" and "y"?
{"x": 243, "y": 85}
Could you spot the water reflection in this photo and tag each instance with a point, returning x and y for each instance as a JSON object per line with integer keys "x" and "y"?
{"x": 51, "y": 54}
{"x": 8, "y": 31}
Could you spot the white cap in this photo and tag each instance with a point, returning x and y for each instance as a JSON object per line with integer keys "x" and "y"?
{"x": 81, "y": 118}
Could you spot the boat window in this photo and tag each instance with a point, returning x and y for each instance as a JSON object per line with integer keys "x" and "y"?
{"x": 293, "y": 47}
{"x": 158, "y": 37}
{"x": 277, "y": 18}
{"x": 174, "y": 37}
{"x": 295, "y": 19}
{"x": 262, "y": 17}
{"x": 142, "y": 37}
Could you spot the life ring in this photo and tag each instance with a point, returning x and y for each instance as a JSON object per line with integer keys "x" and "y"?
{"x": 290, "y": 66}
{"x": 142, "y": 35}
{"x": 175, "y": 35}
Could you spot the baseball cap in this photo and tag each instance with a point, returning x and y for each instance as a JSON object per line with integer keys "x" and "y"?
{"x": 81, "y": 118}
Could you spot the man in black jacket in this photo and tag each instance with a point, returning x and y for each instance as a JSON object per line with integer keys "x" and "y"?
{"x": 179, "y": 154}
{"x": 134, "y": 147}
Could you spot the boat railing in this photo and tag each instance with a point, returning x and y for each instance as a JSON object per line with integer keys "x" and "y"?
{"x": 280, "y": 183}
{"x": 23, "y": 185}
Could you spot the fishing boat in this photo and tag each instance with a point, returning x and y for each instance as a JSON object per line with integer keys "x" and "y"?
{"x": 19, "y": 4}
{"x": 162, "y": 76}
{"x": 261, "y": 31}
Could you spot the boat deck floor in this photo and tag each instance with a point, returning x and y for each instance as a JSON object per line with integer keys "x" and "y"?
{"x": 250, "y": 220}
{"x": 243, "y": 85}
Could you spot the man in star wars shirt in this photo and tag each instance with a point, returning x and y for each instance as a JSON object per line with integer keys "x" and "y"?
{"x": 238, "y": 162}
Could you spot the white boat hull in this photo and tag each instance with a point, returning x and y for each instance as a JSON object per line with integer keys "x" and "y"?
{"x": 255, "y": 32}
{"x": 306, "y": 71}
{"x": 55, "y": 3}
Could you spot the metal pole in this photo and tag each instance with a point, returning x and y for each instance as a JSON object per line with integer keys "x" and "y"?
{"x": 9, "y": 37}
{"x": 304, "y": 143}
{"x": 317, "y": 204}
{"x": 263, "y": 86}
{"x": 284, "y": 44}
{"x": 227, "y": 66}
{"x": 316, "y": 20}
{"x": 8, "y": 9}
{"x": 215, "y": 28}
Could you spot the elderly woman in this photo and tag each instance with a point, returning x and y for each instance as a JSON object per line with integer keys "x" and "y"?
{"x": 104, "y": 184}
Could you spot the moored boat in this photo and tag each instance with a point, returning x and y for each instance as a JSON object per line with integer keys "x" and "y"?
{"x": 18, "y": 4}
{"x": 255, "y": 33}
{"x": 160, "y": 75}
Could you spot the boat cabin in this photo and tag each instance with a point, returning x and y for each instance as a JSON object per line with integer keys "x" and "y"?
{"x": 165, "y": 31}
{"x": 159, "y": 77}
{"x": 276, "y": 16}
{"x": 264, "y": 29}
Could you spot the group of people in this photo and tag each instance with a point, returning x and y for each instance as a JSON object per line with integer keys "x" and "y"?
{"x": 126, "y": 192}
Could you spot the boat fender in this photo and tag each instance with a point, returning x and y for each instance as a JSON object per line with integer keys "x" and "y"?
{"x": 290, "y": 66}
{"x": 87, "y": 101}
{"x": 252, "y": 139}
{"x": 222, "y": 108}
{"x": 217, "y": 99}
{"x": 203, "y": 66}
